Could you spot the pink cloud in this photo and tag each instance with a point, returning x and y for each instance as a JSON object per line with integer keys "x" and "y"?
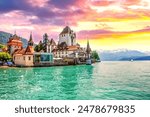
{"x": 100, "y": 34}
{"x": 102, "y": 2}
{"x": 38, "y": 3}
{"x": 42, "y": 16}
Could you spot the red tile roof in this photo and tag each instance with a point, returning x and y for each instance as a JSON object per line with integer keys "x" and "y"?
{"x": 72, "y": 48}
{"x": 68, "y": 48}
{"x": 19, "y": 51}
{"x": 66, "y": 30}
{"x": 28, "y": 51}
{"x": 15, "y": 40}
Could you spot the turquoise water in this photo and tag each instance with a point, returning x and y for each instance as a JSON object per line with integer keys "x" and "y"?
{"x": 105, "y": 80}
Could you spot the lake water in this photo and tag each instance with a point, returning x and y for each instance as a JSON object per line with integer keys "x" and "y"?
{"x": 105, "y": 80}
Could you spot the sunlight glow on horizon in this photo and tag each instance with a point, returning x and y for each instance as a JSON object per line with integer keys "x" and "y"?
{"x": 107, "y": 24}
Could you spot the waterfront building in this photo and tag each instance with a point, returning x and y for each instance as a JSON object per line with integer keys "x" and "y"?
{"x": 68, "y": 36}
{"x": 24, "y": 56}
{"x": 14, "y": 43}
{"x": 43, "y": 53}
{"x": 64, "y": 51}
{"x": 67, "y": 48}
{"x": 43, "y": 58}
{"x": 48, "y": 45}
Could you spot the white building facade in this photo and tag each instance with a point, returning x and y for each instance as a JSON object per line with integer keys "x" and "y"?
{"x": 68, "y": 36}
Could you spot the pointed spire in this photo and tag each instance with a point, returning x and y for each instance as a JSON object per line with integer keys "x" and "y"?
{"x": 15, "y": 35}
{"x": 30, "y": 42}
{"x": 88, "y": 49}
{"x": 30, "y": 37}
{"x": 46, "y": 36}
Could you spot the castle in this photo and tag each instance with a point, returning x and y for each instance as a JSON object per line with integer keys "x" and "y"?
{"x": 67, "y": 36}
{"x": 47, "y": 51}
{"x": 14, "y": 43}
{"x": 21, "y": 56}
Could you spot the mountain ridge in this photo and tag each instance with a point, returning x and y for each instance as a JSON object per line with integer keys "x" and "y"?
{"x": 121, "y": 55}
{"x": 137, "y": 58}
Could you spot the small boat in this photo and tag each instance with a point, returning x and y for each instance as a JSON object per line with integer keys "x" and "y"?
{"x": 88, "y": 62}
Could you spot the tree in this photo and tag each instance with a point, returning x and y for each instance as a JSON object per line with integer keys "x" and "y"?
{"x": 39, "y": 47}
{"x": 95, "y": 55}
{"x": 1, "y": 46}
{"x": 4, "y": 56}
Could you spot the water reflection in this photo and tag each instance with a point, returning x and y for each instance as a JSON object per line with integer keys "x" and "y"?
{"x": 106, "y": 80}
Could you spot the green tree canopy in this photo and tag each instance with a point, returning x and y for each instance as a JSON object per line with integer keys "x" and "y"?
{"x": 38, "y": 47}
{"x": 95, "y": 55}
{"x": 4, "y": 56}
{"x": 1, "y": 46}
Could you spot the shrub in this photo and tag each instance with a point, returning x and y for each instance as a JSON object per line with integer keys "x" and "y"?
{"x": 4, "y": 56}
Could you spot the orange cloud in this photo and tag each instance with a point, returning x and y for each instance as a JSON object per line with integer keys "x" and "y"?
{"x": 131, "y": 2}
{"x": 100, "y": 20}
{"x": 137, "y": 40}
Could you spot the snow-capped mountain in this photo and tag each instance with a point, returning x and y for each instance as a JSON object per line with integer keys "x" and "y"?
{"x": 121, "y": 54}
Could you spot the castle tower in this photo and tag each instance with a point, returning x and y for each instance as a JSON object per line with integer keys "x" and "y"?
{"x": 14, "y": 43}
{"x": 67, "y": 36}
{"x": 30, "y": 42}
{"x": 29, "y": 50}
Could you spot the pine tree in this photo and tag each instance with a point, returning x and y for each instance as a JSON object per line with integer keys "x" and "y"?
{"x": 95, "y": 55}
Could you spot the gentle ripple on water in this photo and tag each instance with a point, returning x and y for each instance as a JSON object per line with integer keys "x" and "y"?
{"x": 105, "y": 80}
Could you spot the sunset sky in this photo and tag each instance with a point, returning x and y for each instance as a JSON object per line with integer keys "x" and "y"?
{"x": 108, "y": 24}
